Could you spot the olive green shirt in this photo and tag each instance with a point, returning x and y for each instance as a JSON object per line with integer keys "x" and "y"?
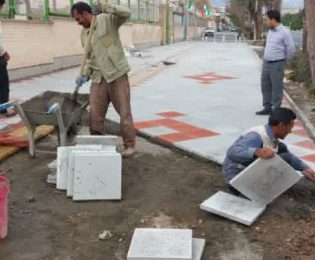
{"x": 107, "y": 57}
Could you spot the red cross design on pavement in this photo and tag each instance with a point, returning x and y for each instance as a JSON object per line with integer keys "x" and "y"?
{"x": 208, "y": 78}
{"x": 184, "y": 131}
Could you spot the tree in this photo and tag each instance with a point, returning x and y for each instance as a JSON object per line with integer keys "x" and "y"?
{"x": 294, "y": 21}
{"x": 310, "y": 21}
{"x": 254, "y": 9}
{"x": 273, "y": 4}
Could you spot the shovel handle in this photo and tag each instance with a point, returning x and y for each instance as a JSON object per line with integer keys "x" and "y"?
{"x": 87, "y": 47}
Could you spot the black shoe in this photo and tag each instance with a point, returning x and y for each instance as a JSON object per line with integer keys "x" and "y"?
{"x": 264, "y": 112}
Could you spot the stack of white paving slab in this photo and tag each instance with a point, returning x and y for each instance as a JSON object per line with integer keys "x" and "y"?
{"x": 261, "y": 182}
{"x": 165, "y": 244}
{"x": 91, "y": 170}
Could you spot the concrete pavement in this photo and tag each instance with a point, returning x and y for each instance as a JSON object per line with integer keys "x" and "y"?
{"x": 201, "y": 104}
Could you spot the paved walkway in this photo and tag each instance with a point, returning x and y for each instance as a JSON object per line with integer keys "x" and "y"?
{"x": 201, "y": 104}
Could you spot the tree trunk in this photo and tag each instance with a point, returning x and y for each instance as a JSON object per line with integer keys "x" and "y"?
{"x": 255, "y": 10}
{"x": 259, "y": 28}
{"x": 310, "y": 21}
{"x": 304, "y": 31}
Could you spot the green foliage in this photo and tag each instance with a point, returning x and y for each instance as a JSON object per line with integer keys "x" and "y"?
{"x": 301, "y": 66}
{"x": 294, "y": 21}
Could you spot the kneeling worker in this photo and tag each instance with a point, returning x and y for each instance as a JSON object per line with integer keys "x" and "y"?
{"x": 263, "y": 142}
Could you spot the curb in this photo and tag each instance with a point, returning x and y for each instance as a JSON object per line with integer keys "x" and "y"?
{"x": 306, "y": 122}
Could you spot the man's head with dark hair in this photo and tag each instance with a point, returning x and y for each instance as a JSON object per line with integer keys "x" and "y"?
{"x": 273, "y": 19}
{"x": 82, "y": 13}
{"x": 2, "y": 2}
{"x": 281, "y": 122}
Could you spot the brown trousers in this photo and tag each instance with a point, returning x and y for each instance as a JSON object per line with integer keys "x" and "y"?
{"x": 117, "y": 92}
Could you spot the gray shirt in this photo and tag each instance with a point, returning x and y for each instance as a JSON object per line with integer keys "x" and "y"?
{"x": 279, "y": 45}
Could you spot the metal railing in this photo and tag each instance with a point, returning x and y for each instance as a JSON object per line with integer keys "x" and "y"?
{"x": 142, "y": 10}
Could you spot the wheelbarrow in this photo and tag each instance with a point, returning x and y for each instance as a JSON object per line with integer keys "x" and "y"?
{"x": 51, "y": 108}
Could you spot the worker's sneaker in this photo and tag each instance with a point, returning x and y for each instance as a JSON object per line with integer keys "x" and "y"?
{"x": 264, "y": 112}
{"x": 128, "y": 152}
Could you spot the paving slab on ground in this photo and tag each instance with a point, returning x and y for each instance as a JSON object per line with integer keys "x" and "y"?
{"x": 200, "y": 105}
{"x": 265, "y": 180}
{"x": 161, "y": 244}
{"x": 232, "y": 207}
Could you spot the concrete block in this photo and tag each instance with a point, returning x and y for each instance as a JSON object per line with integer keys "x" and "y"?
{"x": 198, "y": 247}
{"x": 70, "y": 171}
{"x": 97, "y": 176}
{"x": 105, "y": 140}
{"x": 232, "y": 207}
{"x": 161, "y": 244}
{"x": 265, "y": 180}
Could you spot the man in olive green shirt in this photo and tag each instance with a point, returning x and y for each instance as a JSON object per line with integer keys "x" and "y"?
{"x": 107, "y": 67}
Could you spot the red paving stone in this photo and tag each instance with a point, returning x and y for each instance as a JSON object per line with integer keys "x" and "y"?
{"x": 174, "y": 137}
{"x": 170, "y": 114}
{"x": 308, "y": 144}
{"x": 185, "y": 131}
{"x": 298, "y": 123}
{"x": 208, "y": 78}
{"x": 310, "y": 158}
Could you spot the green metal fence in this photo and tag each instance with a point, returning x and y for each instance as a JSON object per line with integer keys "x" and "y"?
{"x": 142, "y": 10}
{"x": 5, "y": 10}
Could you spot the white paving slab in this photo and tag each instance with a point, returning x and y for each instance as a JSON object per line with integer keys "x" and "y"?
{"x": 158, "y": 130}
{"x": 97, "y": 176}
{"x": 70, "y": 170}
{"x": 292, "y": 138}
{"x": 161, "y": 244}
{"x": 265, "y": 180}
{"x": 198, "y": 247}
{"x": 299, "y": 151}
{"x": 62, "y": 167}
{"x": 232, "y": 207}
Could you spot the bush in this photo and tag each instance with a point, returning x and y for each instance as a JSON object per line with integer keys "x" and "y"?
{"x": 299, "y": 63}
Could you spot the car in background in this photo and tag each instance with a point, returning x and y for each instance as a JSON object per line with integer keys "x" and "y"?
{"x": 209, "y": 32}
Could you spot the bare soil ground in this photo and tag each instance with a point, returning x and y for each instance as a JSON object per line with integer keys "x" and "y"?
{"x": 303, "y": 97}
{"x": 161, "y": 188}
